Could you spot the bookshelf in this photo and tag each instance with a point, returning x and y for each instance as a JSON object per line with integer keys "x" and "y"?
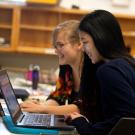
{"x": 28, "y": 29}
{"x": 6, "y": 31}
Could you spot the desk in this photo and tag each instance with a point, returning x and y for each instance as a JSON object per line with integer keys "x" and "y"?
{"x": 41, "y": 94}
{"x": 4, "y": 131}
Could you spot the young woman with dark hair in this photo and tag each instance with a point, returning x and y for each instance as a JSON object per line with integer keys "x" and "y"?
{"x": 112, "y": 79}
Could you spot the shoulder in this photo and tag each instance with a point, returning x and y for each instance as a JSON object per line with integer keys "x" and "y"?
{"x": 115, "y": 64}
{"x": 114, "y": 67}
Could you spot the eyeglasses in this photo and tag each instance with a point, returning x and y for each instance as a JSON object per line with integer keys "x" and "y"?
{"x": 60, "y": 46}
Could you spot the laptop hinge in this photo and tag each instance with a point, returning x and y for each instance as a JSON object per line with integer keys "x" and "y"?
{"x": 20, "y": 118}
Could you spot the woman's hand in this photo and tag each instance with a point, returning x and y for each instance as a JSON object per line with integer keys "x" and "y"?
{"x": 72, "y": 116}
{"x": 32, "y": 106}
{"x": 75, "y": 115}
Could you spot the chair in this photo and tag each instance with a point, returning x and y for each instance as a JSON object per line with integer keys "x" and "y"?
{"x": 125, "y": 126}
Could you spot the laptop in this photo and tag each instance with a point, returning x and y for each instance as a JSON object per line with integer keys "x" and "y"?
{"x": 1, "y": 111}
{"x": 125, "y": 126}
{"x": 25, "y": 119}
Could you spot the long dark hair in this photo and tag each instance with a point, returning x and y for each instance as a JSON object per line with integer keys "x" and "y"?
{"x": 88, "y": 90}
{"x": 105, "y": 30}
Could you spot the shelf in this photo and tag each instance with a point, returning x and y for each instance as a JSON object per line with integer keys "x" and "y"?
{"x": 6, "y": 16}
{"x": 39, "y": 28}
{"x": 34, "y": 44}
{"x": 38, "y": 17}
{"x": 36, "y": 50}
{"x": 5, "y": 34}
{"x": 5, "y": 26}
{"x": 47, "y": 2}
{"x": 125, "y": 16}
{"x": 28, "y": 29}
{"x": 6, "y": 49}
{"x": 129, "y": 34}
{"x": 32, "y": 38}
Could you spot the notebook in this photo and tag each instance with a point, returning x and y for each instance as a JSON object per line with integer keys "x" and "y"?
{"x": 25, "y": 119}
{"x": 125, "y": 126}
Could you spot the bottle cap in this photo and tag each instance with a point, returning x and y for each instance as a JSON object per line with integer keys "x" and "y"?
{"x": 36, "y": 67}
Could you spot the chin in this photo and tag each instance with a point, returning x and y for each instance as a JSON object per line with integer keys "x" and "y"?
{"x": 62, "y": 63}
{"x": 93, "y": 62}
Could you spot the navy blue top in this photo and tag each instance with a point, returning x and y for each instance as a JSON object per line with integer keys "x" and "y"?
{"x": 116, "y": 80}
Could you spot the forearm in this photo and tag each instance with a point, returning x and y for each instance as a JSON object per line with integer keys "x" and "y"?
{"x": 60, "y": 110}
{"x": 51, "y": 107}
{"x": 51, "y": 102}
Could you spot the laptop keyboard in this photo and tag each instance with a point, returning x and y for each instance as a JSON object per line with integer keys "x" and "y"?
{"x": 37, "y": 119}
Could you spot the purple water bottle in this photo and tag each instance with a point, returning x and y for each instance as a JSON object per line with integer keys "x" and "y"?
{"x": 35, "y": 77}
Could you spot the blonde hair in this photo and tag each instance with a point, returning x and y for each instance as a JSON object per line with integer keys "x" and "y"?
{"x": 70, "y": 28}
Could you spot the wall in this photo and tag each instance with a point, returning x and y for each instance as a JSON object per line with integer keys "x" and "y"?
{"x": 24, "y": 60}
{"x": 101, "y": 4}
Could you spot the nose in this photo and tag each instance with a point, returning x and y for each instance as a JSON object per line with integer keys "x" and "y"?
{"x": 57, "y": 51}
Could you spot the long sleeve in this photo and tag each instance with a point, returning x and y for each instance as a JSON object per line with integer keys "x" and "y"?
{"x": 116, "y": 81}
{"x": 117, "y": 94}
{"x": 85, "y": 128}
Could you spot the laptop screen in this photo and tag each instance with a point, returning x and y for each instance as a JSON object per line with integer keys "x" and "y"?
{"x": 8, "y": 95}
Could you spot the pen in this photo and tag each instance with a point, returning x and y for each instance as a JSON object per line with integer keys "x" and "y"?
{"x": 66, "y": 102}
